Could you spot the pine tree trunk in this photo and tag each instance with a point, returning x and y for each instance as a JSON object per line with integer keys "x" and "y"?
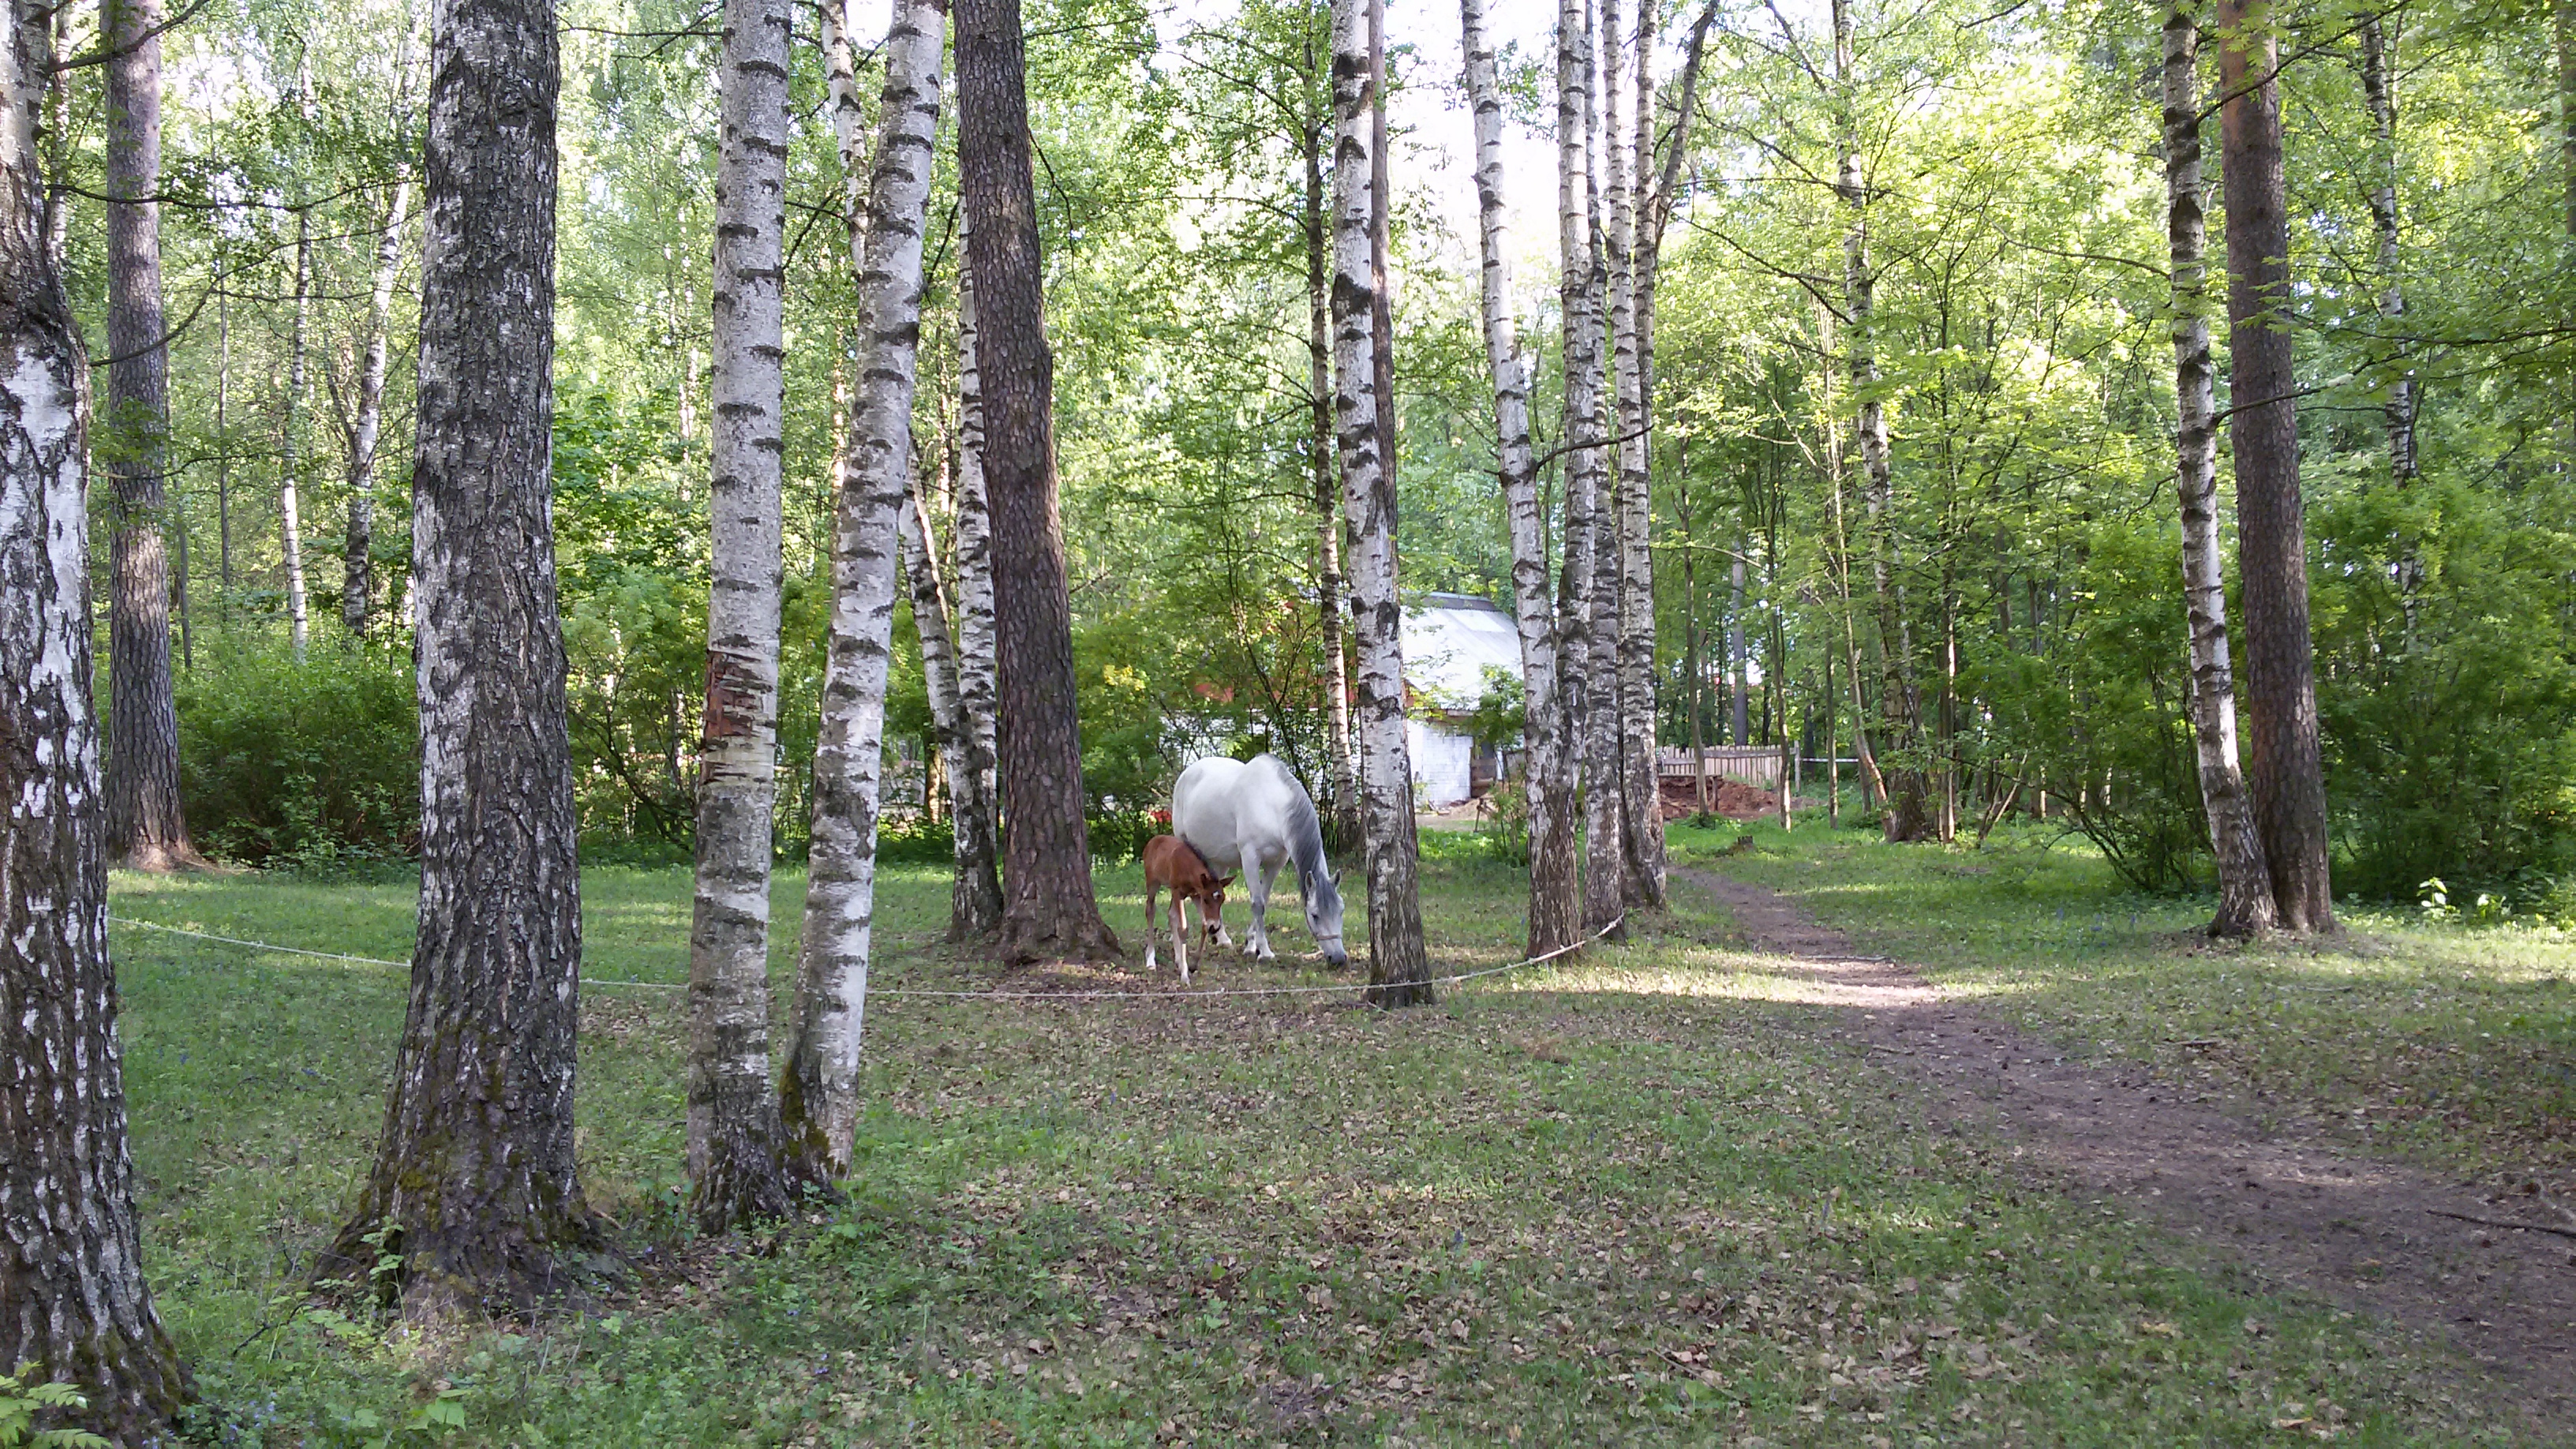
{"x": 1328, "y": 509}
{"x": 1049, "y": 910}
{"x": 1555, "y": 911}
{"x": 2244, "y": 878}
{"x": 72, "y": 1294}
{"x": 2285, "y": 762}
{"x": 1399, "y": 967}
{"x": 358, "y": 586}
{"x": 290, "y": 452}
{"x": 820, "y": 1099}
{"x": 474, "y": 1183}
{"x": 976, "y": 896}
{"x": 733, "y": 1109}
{"x": 975, "y": 907}
{"x": 146, "y": 829}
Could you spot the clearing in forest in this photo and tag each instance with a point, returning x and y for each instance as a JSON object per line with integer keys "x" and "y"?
{"x": 1650, "y": 1197}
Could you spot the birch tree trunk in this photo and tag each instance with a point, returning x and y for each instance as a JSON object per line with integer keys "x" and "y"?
{"x": 1604, "y": 855}
{"x": 1585, "y": 664}
{"x": 1328, "y": 510}
{"x": 474, "y": 1183}
{"x": 290, "y": 452}
{"x": 146, "y": 828}
{"x": 975, "y": 906}
{"x": 967, "y": 802}
{"x": 2397, "y": 414}
{"x": 819, "y": 1102}
{"x": 2285, "y": 758}
{"x": 1049, "y": 909}
{"x": 1399, "y": 967}
{"x": 733, "y": 1109}
{"x": 1555, "y": 919}
{"x": 1642, "y": 791}
{"x": 1906, "y": 816}
{"x": 72, "y": 1294}
{"x": 358, "y": 576}
{"x": 2244, "y": 878}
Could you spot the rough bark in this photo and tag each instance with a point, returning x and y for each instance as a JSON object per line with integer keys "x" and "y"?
{"x": 72, "y": 1293}
{"x": 1590, "y": 511}
{"x": 1328, "y": 509}
{"x": 819, "y": 1101}
{"x": 1607, "y": 883}
{"x": 367, "y": 422}
{"x": 975, "y": 905}
{"x": 1555, "y": 919}
{"x": 931, "y": 622}
{"x": 2285, "y": 764}
{"x": 146, "y": 828}
{"x": 1642, "y": 830}
{"x": 2244, "y": 877}
{"x": 733, "y": 1109}
{"x": 474, "y": 1185}
{"x": 1049, "y": 909}
{"x": 1399, "y": 967}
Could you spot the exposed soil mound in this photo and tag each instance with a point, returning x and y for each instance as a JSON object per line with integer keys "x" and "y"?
{"x": 1731, "y": 798}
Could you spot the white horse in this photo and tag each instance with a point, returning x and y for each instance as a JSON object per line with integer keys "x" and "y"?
{"x": 1254, "y": 818}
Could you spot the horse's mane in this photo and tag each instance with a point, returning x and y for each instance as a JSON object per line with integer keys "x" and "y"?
{"x": 1305, "y": 834}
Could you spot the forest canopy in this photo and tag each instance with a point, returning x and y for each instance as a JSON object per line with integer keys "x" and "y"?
{"x": 2010, "y": 167}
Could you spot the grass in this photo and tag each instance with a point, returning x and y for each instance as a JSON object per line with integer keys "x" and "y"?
{"x": 2448, "y": 1045}
{"x": 1631, "y": 1200}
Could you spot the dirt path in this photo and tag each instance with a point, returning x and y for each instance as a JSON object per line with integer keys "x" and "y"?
{"x": 2303, "y": 1216}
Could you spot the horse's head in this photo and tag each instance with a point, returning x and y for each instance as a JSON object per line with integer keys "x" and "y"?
{"x": 1324, "y": 917}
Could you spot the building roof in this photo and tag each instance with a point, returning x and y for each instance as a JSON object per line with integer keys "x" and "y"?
{"x": 1450, "y": 640}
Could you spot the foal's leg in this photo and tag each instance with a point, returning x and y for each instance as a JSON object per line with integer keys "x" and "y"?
{"x": 1180, "y": 935}
{"x": 1149, "y": 920}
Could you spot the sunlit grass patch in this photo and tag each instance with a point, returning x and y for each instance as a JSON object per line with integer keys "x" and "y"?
{"x": 1632, "y": 1199}
{"x": 2447, "y": 1044}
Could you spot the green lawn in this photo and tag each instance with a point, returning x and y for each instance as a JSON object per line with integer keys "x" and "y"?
{"x": 2449, "y": 1045}
{"x": 1633, "y": 1200}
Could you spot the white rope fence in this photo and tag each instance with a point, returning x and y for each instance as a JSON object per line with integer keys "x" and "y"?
{"x": 1539, "y": 959}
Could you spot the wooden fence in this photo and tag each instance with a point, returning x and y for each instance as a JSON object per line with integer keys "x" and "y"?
{"x": 1752, "y": 764}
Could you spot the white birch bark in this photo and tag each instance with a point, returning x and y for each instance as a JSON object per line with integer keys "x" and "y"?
{"x": 1641, "y": 833}
{"x": 1554, "y": 912}
{"x": 976, "y": 894}
{"x": 73, "y": 1297}
{"x": 2245, "y": 904}
{"x": 733, "y": 1109}
{"x": 366, "y": 425}
{"x": 2379, "y": 94}
{"x": 1604, "y": 809}
{"x": 976, "y": 904}
{"x": 1580, "y": 393}
{"x": 291, "y": 448}
{"x": 820, "y": 1104}
{"x": 1399, "y": 968}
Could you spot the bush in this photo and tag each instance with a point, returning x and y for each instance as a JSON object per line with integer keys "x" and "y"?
{"x": 1119, "y": 836}
{"x": 306, "y": 765}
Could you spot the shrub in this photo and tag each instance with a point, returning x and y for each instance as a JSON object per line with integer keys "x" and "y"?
{"x": 308, "y": 765}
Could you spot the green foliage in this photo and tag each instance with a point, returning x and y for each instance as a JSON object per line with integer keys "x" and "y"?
{"x": 2101, "y": 722}
{"x": 310, "y": 765}
{"x": 2449, "y": 705}
{"x": 23, "y": 1397}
